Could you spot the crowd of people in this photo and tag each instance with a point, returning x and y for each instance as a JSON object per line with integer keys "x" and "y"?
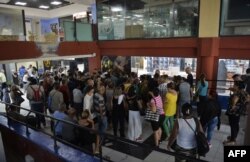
{"x": 115, "y": 99}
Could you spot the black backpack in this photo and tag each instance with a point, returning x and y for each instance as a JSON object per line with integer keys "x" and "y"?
{"x": 201, "y": 140}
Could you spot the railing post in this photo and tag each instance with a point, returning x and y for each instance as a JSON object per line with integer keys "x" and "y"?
{"x": 26, "y": 124}
{"x": 54, "y": 136}
{"x": 100, "y": 147}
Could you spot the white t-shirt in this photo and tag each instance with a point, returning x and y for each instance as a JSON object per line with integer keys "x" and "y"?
{"x": 186, "y": 136}
{"x": 2, "y": 77}
{"x": 25, "y": 78}
{"x": 88, "y": 102}
{"x": 77, "y": 95}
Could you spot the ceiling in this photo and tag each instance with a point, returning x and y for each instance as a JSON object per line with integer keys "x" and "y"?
{"x": 36, "y": 3}
{"x": 68, "y": 7}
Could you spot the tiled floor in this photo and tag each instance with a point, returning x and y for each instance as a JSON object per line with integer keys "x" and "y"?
{"x": 215, "y": 154}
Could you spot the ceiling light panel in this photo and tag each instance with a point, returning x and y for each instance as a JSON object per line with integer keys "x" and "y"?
{"x": 56, "y": 3}
{"x": 21, "y": 3}
{"x": 43, "y": 7}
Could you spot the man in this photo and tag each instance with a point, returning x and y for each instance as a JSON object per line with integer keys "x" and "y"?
{"x": 185, "y": 92}
{"x": 56, "y": 98}
{"x": 100, "y": 110}
{"x": 190, "y": 79}
{"x": 35, "y": 94}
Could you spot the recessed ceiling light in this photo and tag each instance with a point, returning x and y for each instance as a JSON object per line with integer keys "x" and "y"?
{"x": 21, "y": 3}
{"x": 56, "y": 3}
{"x": 116, "y": 9}
{"x": 44, "y": 7}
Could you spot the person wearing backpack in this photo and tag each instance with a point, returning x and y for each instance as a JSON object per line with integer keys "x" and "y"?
{"x": 35, "y": 95}
{"x": 185, "y": 136}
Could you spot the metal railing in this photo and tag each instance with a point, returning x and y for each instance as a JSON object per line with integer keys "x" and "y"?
{"x": 103, "y": 137}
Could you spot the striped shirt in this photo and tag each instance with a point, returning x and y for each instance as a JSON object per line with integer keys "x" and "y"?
{"x": 158, "y": 102}
{"x": 99, "y": 103}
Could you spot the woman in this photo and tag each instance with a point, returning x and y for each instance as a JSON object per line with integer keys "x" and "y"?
{"x": 210, "y": 115}
{"x": 134, "y": 121}
{"x": 109, "y": 96}
{"x": 202, "y": 88}
{"x": 170, "y": 106}
{"x": 236, "y": 106}
{"x": 6, "y": 96}
{"x": 85, "y": 137}
{"x": 201, "y": 92}
{"x": 118, "y": 111}
{"x": 16, "y": 96}
{"x": 184, "y": 135}
{"x": 155, "y": 104}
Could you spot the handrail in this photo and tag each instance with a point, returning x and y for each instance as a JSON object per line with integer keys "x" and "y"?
{"x": 102, "y": 136}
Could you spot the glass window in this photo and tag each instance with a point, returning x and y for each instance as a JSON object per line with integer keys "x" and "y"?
{"x": 226, "y": 70}
{"x": 167, "y": 65}
{"x": 235, "y": 17}
{"x": 11, "y": 24}
{"x": 147, "y": 19}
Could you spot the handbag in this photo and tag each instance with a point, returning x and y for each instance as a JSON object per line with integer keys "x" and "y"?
{"x": 19, "y": 99}
{"x": 151, "y": 116}
{"x": 201, "y": 140}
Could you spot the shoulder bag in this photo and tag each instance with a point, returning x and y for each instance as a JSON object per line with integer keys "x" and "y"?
{"x": 201, "y": 140}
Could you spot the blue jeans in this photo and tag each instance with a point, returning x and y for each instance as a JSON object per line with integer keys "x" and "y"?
{"x": 210, "y": 128}
{"x": 102, "y": 124}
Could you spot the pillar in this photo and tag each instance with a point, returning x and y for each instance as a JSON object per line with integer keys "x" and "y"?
{"x": 95, "y": 62}
{"x": 207, "y": 61}
{"x": 209, "y": 18}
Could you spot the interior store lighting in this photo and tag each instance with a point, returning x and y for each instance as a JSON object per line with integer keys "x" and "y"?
{"x": 116, "y": 9}
{"x": 56, "y": 3}
{"x": 44, "y": 7}
{"x": 21, "y": 3}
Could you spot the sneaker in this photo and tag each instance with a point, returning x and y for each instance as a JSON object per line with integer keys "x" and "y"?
{"x": 139, "y": 139}
{"x": 210, "y": 145}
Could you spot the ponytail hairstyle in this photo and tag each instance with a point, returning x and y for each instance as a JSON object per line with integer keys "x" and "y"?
{"x": 186, "y": 109}
{"x": 202, "y": 79}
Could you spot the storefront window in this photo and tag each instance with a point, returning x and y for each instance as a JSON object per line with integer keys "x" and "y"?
{"x": 11, "y": 24}
{"x": 147, "y": 19}
{"x": 171, "y": 66}
{"x": 226, "y": 70}
{"x": 235, "y": 17}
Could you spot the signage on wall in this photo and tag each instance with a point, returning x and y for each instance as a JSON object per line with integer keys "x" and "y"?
{"x": 80, "y": 15}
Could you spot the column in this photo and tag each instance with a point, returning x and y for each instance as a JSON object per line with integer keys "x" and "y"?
{"x": 207, "y": 60}
{"x": 209, "y": 18}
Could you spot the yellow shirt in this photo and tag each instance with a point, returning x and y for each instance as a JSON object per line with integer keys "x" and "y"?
{"x": 170, "y": 104}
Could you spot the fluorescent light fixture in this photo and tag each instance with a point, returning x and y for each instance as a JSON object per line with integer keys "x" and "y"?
{"x": 116, "y": 9}
{"x": 44, "y": 7}
{"x": 56, "y": 3}
{"x": 137, "y": 15}
{"x": 21, "y": 3}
